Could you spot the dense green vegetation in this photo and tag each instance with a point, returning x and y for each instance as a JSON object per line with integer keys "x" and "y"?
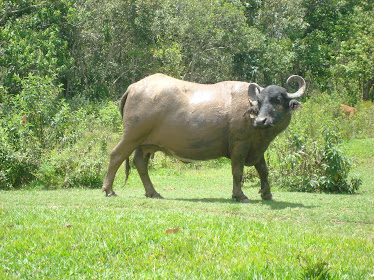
{"x": 79, "y": 234}
{"x": 64, "y": 64}
{"x": 96, "y": 48}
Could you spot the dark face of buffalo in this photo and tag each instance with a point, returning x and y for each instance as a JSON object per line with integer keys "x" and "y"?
{"x": 274, "y": 107}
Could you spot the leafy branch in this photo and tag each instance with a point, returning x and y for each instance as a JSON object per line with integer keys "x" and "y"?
{"x": 18, "y": 12}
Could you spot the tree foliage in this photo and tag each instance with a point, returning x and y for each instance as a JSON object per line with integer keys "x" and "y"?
{"x": 355, "y": 61}
{"x": 97, "y": 48}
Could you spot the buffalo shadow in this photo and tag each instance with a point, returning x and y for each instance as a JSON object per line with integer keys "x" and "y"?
{"x": 273, "y": 204}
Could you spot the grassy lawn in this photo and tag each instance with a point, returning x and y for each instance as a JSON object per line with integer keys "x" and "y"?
{"x": 80, "y": 234}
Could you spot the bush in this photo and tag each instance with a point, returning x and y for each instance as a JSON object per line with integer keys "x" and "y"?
{"x": 307, "y": 156}
{"x": 24, "y": 122}
{"x": 302, "y": 164}
{"x": 110, "y": 117}
{"x": 78, "y": 166}
{"x": 16, "y": 166}
{"x": 39, "y": 136}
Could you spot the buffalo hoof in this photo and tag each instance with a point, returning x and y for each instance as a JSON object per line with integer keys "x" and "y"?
{"x": 109, "y": 193}
{"x": 268, "y": 197}
{"x": 245, "y": 200}
{"x": 154, "y": 195}
{"x": 112, "y": 193}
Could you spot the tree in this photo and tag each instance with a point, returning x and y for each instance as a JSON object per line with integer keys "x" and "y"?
{"x": 327, "y": 24}
{"x": 280, "y": 23}
{"x": 356, "y": 59}
{"x": 32, "y": 41}
{"x": 206, "y": 34}
{"x": 120, "y": 42}
{"x": 18, "y": 9}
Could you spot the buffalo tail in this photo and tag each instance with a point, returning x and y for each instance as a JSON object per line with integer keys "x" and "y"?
{"x": 127, "y": 171}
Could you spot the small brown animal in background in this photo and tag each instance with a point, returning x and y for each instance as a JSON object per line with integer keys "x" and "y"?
{"x": 347, "y": 110}
{"x": 25, "y": 118}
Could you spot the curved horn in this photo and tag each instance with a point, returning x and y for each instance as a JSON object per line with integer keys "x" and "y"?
{"x": 252, "y": 90}
{"x": 302, "y": 87}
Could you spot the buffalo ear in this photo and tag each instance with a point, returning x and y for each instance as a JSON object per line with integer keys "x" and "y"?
{"x": 253, "y": 110}
{"x": 253, "y": 103}
{"x": 295, "y": 105}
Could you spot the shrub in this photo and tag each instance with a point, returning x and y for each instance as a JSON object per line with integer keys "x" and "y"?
{"x": 24, "y": 122}
{"x": 303, "y": 164}
{"x": 110, "y": 116}
{"x": 36, "y": 123}
{"x": 307, "y": 156}
{"x": 78, "y": 166}
{"x": 16, "y": 166}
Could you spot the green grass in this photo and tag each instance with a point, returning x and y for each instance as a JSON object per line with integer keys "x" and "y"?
{"x": 80, "y": 234}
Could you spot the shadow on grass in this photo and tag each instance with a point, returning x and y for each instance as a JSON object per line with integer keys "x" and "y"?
{"x": 274, "y": 205}
{"x": 279, "y": 205}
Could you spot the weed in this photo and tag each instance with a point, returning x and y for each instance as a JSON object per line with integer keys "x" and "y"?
{"x": 314, "y": 268}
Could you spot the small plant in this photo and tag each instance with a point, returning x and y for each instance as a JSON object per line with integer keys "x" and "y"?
{"x": 314, "y": 269}
{"x": 336, "y": 167}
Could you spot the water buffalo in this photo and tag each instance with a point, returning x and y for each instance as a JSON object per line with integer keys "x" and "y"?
{"x": 191, "y": 121}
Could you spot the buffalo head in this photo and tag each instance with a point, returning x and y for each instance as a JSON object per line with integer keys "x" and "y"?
{"x": 274, "y": 104}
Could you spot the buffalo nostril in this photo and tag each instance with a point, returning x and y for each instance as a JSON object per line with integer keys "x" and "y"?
{"x": 263, "y": 122}
{"x": 260, "y": 121}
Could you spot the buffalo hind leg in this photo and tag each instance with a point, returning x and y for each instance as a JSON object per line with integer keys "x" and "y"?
{"x": 263, "y": 172}
{"x": 141, "y": 163}
{"x": 121, "y": 152}
{"x": 237, "y": 166}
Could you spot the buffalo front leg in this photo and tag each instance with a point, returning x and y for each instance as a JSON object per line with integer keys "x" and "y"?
{"x": 121, "y": 152}
{"x": 237, "y": 166}
{"x": 263, "y": 172}
{"x": 141, "y": 163}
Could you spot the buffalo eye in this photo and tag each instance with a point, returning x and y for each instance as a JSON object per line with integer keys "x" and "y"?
{"x": 276, "y": 100}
